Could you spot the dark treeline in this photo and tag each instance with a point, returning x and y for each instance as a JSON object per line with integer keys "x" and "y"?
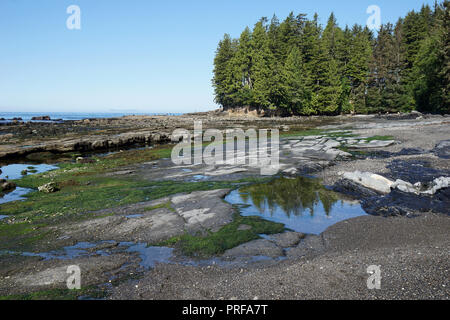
{"x": 298, "y": 67}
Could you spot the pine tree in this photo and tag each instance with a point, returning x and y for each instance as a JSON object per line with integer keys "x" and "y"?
{"x": 357, "y": 68}
{"x": 416, "y": 27}
{"x": 288, "y": 36}
{"x": 426, "y": 86}
{"x": 329, "y": 90}
{"x": 332, "y": 35}
{"x": 297, "y": 83}
{"x": 385, "y": 90}
{"x": 296, "y": 67}
{"x": 263, "y": 61}
{"x": 222, "y": 81}
{"x": 430, "y": 69}
{"x": 241, "y": 66}
{"x": 445, "y": 54}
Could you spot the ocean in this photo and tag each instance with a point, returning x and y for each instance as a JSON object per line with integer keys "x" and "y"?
{"x": 27, "y": 116}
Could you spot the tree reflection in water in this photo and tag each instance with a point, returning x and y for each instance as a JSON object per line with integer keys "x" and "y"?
{"x": 294, "y": 196}
{"x": 301, "y": 204}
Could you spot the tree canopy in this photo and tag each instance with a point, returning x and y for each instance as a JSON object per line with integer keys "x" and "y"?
{"x": 299, "y": 67}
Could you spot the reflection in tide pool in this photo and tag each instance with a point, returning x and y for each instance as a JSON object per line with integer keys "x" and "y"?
{"x": 14, "y": 171}
{"x": 16, "y": 194}
{"x": 302, "y": 204}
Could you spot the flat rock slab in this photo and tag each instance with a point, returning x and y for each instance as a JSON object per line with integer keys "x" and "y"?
{"x": 158, "y": 220}
{"x": 414, "y": 171}
{"x": 353, "y": 189}
{"x": 46, "y": 274}
{"x": 399, "y": 203}
{"x": 261, "y": 247}
{"x": 369, "y": 180}
{"x": 372, "y": 144}
{"x": 203, "y": 210}
{"x": 287, "y": 239}
{"x": 311, "y": 245}
{"x": 442, "y": 149}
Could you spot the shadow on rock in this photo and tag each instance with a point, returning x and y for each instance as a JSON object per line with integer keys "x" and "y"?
{"x": 414, "y": 171}
{"x": 399, "y": 203}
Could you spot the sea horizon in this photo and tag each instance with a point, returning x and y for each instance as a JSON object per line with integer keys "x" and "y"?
{"x": 68, "y": 115}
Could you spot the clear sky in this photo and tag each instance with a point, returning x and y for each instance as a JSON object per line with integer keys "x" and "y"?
{"x": 136, "y": 55}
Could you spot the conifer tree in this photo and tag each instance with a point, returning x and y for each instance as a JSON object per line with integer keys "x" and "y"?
{"x": 445, "y": 54}
{"x": 329, "y": 90}
{"x": 358, "y": 67}
{"x": 297, "y": 82}
{"x": 266, "y": 83}
{"x": 241, "y": 66}
{"x": 222, "y": 81}
{"x": 297, "y": 67}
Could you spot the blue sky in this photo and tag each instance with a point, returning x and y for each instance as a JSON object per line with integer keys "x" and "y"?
{"x": 136, "y": 55}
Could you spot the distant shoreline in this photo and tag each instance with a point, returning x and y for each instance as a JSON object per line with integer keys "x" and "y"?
{"x": 67, "y": 116}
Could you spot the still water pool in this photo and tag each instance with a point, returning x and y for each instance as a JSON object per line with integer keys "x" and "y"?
{"x": 14, "y": 172}
{"x": 302, "y": 204}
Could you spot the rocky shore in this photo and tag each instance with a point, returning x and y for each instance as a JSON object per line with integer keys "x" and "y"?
{"x": 141, "y": 227}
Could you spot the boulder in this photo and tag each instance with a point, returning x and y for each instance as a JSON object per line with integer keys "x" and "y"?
{"x": 369, "y": 180}
{"x": 404, "y": 186}
{"x": 6, "y": 186}
{"x": 84, "y": 160}
{"x": 6, "y": 137}
{"x": 353, "y": 189}
{"x": 399, "y": 203}
{"x": 419, "y": 188}
{"x": 291, "y": 171}
{"x": 41, "y": 118}
{"x": 331, "y": 144}
{"x": 442, "y": 149}
{"x": 415, "y": 170}
{"x": 50, "y": 187}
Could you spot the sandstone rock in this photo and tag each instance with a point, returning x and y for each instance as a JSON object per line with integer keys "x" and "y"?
{"x": 399, "y": 203}
{"x": 84, "y": 160}
{"x": 418, "y": 188}
{"x": 442, "y": 149}
{"x": 6, "y": 186}
{"x": 373, "y": 144}
{"x": 287, "y": 239}
{"x": 353, "y": 189}
{"x": 404, "y": 186}
{"x": 41, "y": 118}
{"x": 369, "y": 180}
{"x": 260, "y": 247}
{"x": 5, "y": 137}
{"x": 331, "y": 144}
{"x": 50, "y": 187}
{"x": 290, "y": 171}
